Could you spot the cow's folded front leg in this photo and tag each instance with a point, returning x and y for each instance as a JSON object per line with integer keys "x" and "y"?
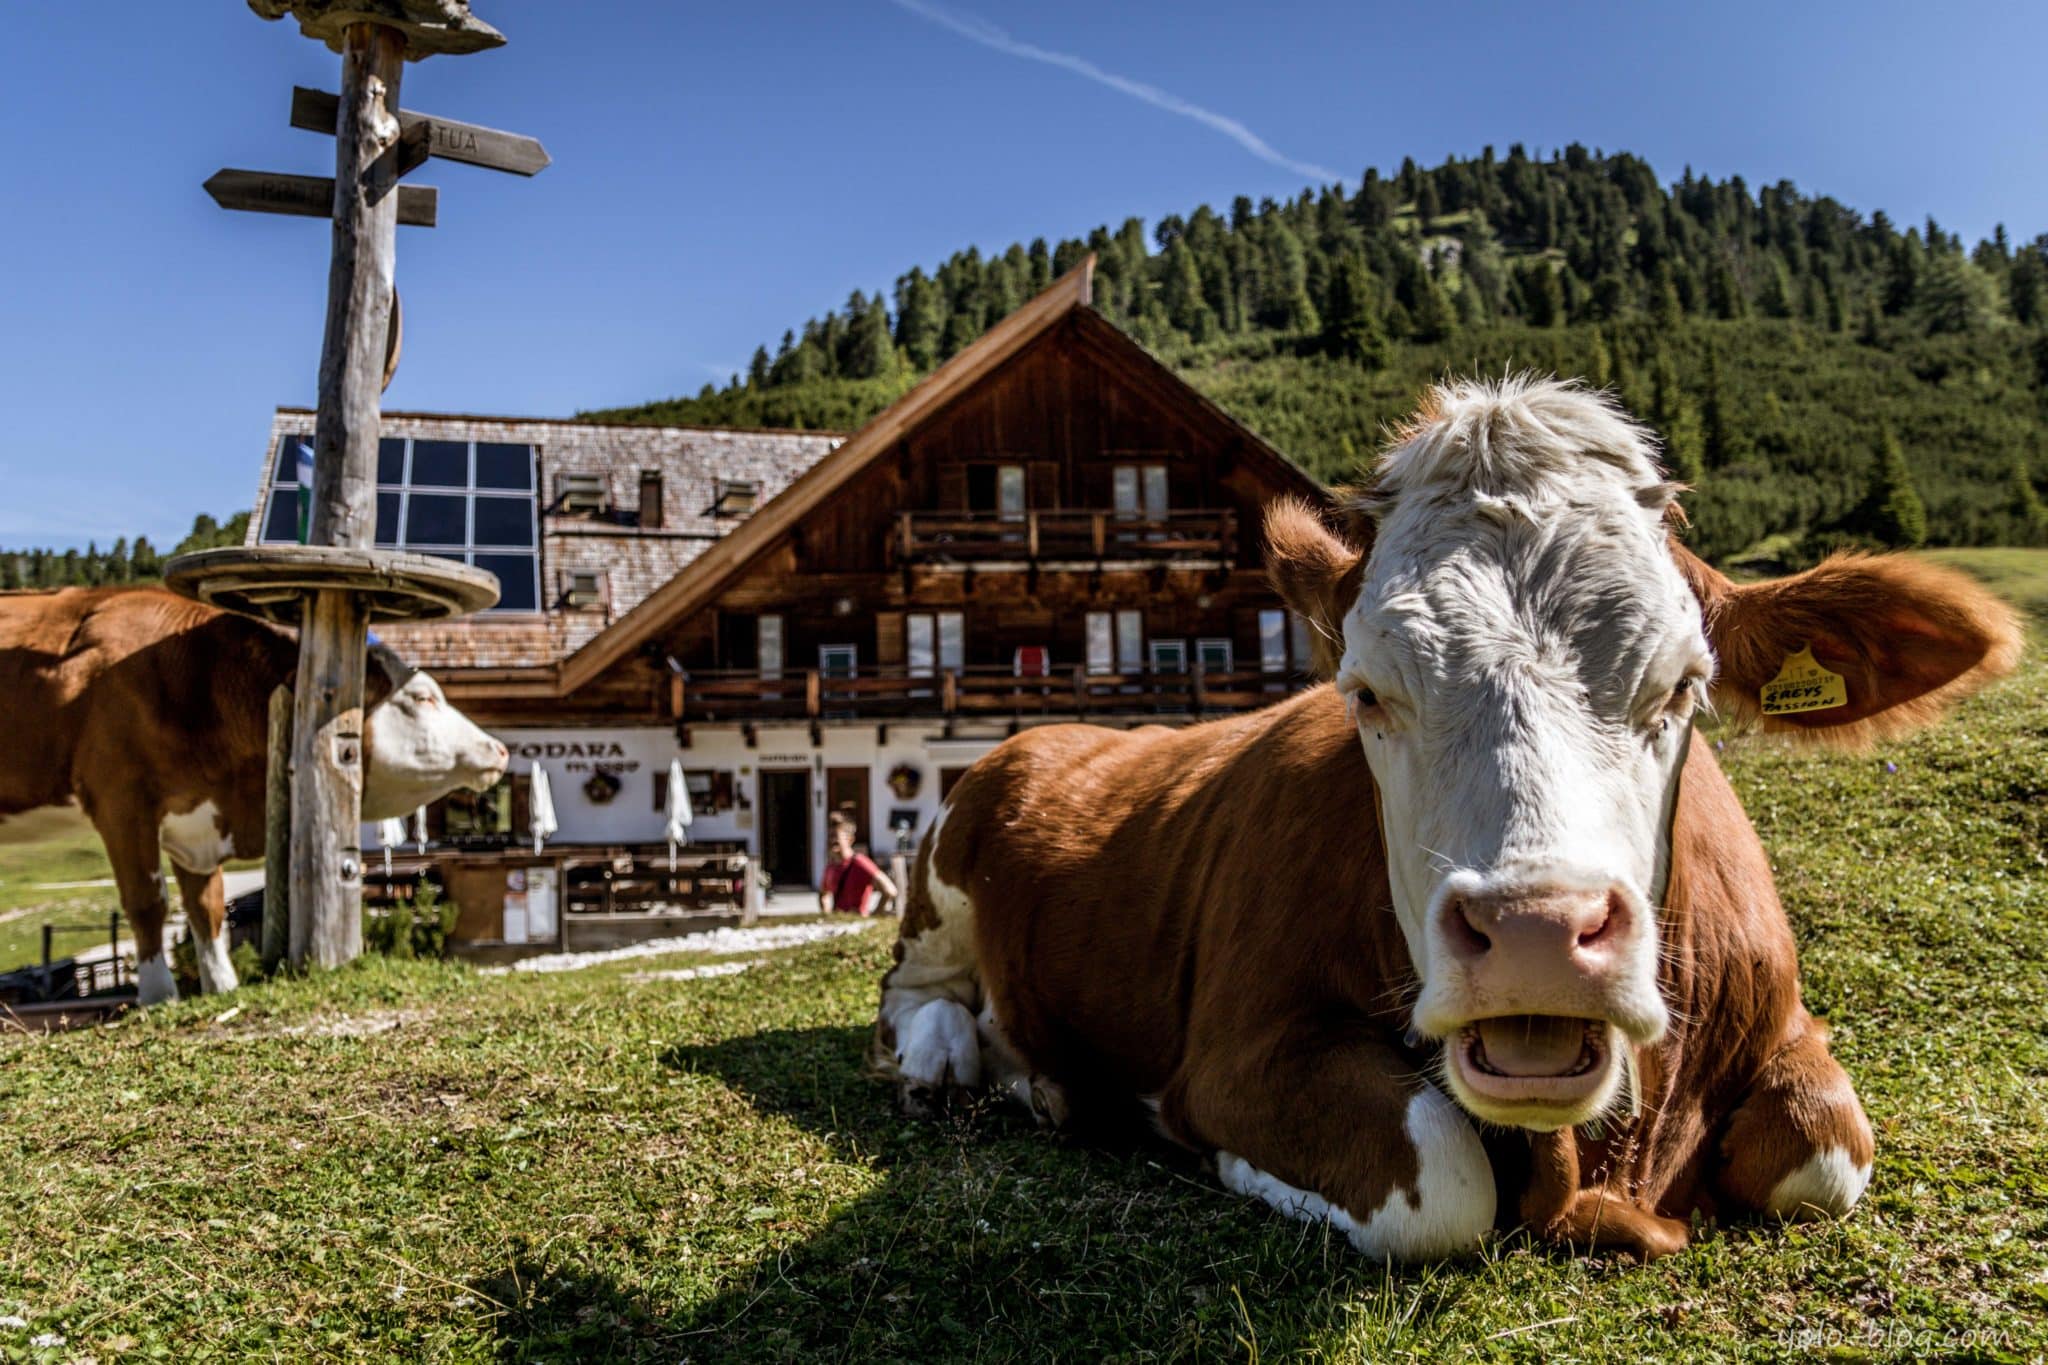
{"x": 1799, "y": 1145}
{"x": 1558, "y": 1209}
{"x": 1342, "y": 1131}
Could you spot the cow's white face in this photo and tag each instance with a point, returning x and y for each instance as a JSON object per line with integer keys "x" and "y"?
{"x": 418, "y": 748}
{"x": 1522, "y": 661}
{"x": 1522, "y": 650}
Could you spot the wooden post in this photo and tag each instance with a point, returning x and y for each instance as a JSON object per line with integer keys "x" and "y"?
{"x": 277, "y": 831}
{"x": 326, "y": 893}
{"x": 750, "y": 894}
{"x": 359, "y": 282}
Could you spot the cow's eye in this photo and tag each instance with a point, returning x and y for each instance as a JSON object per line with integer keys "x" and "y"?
{"x": 1357, "y": 696}
{"x": 1679, "y": 703}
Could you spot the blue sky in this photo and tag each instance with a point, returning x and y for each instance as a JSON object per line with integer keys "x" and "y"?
{"x": 722, "y": 172}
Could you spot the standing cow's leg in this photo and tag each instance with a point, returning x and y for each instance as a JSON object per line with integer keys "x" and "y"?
{"x": 1340, "y": 1129}
{"x": 131, "y": 840}
{"x": 1799, "y": 1145}
{"x": 206, "y": 914}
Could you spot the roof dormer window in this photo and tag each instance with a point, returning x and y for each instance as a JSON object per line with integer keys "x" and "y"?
{"x": 736, "y": 498}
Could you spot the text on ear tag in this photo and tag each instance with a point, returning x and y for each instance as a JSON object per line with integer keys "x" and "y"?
{"x": 1804, "y": 684}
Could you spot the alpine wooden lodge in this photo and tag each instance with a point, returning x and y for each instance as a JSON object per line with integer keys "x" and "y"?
{"x": 1050, "y": 527}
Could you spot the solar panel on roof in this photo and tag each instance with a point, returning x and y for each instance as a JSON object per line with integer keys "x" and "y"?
{"x": 469, "y": 501}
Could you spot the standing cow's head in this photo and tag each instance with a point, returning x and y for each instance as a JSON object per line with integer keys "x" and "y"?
{"x": 417, "y": 748}
{"x": 1523, "y": 649}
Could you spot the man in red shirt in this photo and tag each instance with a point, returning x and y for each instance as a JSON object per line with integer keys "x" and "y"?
{"x": 852, "y": 881}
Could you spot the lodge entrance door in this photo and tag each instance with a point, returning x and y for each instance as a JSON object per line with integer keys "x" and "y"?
{"x": 786, "y": 825}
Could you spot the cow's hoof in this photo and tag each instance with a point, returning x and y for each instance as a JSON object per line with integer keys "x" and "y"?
{"x": 1048, "y": 1102}
{"x": 1827, "y": 1185}
{"x": 939, "y": 1048}
{"x": 153, "y": 983}
{"x": 923, "y": 1101}
{"x": 216, "y": 973}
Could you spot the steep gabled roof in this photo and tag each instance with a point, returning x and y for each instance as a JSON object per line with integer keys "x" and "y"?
{"x": 1066, "y": 298}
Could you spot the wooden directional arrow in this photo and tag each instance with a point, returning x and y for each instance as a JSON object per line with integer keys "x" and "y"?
{"x": 310, "y": 196}
{"x": 315, "y": 111}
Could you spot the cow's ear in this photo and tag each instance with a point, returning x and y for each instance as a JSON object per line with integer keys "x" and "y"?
{"x": 1906, "y": 637}
{"x": 1317, "y": 574}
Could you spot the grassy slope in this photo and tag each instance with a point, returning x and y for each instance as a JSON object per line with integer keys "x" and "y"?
{"x": 25, "y": 904}
{"x": 590, "y": 1166}
{"x": 33, "y": 892}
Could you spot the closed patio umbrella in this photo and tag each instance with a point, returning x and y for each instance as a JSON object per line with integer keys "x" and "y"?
{"x": 680, "y": 815}
{"x": 543, "y": 801}
{"x": 390, "y": 833}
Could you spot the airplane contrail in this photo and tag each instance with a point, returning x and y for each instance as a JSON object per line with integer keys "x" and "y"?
{"x": 981, "y": 31}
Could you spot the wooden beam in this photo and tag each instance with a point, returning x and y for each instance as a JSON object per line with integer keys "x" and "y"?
{"x": 309, "y": 196}
{"x": 446, "y": 138}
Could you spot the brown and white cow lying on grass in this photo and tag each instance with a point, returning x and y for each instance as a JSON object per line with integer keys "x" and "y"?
{"x": 1479, "y": 935}
{"x": 148, "y": 715}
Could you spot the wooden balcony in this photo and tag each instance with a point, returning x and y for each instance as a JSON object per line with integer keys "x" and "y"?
{"x": 987, "y": 691}
{"x": 1031, "y": 537}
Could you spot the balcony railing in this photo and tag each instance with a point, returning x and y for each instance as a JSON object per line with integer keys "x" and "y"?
{"x": 977, "y": 690}
{"x": 971, "y": 537}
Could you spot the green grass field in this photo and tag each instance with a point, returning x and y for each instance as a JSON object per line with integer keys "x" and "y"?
{"x": 415, "y": 1161}
{"x": 34, "y": 891}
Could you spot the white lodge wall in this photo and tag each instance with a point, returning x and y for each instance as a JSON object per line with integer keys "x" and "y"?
{"x": 636, "y": 756}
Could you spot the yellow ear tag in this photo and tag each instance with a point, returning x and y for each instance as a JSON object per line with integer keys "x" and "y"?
{"x": 1804, "y": 684}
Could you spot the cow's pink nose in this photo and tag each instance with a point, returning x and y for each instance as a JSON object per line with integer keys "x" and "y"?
{"x": 504, "y": 754}
{"x": 1579, "y": 926}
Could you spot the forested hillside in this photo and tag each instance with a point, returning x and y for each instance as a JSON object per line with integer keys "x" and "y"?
{"x": 1819, "y": 377}
{"x": 140, "y": 562}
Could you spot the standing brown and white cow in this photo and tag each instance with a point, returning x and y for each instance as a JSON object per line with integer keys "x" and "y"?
{"x": 148, "y": 715}
{"x": 1487, "y": 882}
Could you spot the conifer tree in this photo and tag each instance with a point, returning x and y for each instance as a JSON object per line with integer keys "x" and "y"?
{"x": 2028, "y": 509}
{"x": 1542, "y": 295}
{"x": 1186, "y": 307}
{"x": 1428, "y": 205}
{"x": 1893, "y": 511}
{"x": 1725, "y": 442}
{"x": 920, "y": 318}
{"x": 1677, "y": 419}
{"x": 870, "y": 351}
{"x": 1351, "y": 329}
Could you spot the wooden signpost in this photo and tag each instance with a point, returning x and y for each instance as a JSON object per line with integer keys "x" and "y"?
{"x": 332, "y": 587}
{"x": 316, "y": 111}
{"x": 309, "y": 196}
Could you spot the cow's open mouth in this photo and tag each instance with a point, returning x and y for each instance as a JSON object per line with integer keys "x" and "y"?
{"x": 1540, "y": 1062}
